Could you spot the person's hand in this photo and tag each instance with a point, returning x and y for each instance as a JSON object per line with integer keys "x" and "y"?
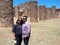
{"x": 14, "y": 41}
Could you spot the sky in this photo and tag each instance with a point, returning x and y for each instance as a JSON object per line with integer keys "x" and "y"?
{"x": 47, "y": 3}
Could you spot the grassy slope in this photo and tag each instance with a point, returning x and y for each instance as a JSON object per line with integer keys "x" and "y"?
{"x": 42, "y": 33}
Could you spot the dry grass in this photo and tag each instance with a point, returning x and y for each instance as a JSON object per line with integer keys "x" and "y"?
{"x": 42, "y": 33}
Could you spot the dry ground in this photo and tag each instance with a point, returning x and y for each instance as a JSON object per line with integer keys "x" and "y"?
{"x": 42, "y": 33}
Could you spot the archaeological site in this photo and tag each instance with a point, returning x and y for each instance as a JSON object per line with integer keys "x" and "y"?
{"x": 30, "y": 9}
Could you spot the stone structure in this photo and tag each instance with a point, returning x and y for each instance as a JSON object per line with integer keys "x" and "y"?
{"x": 42, "y": 13}
{"x": 48, "y": 13}
{"x": 53, "y": 11}
{"x": 59, "y": 13}
{"x": 22, "y": 9}
{"x": 16, "y": 11}
{"x": 35, "y": 12}
{"x": 29, "y": 9}
{"x": 6, "y": 13}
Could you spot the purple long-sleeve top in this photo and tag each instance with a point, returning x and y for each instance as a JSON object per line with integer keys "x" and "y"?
{"x": 26, "y": 29}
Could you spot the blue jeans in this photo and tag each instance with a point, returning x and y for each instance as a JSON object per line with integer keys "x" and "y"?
{"x": 26, "y": 41}
{"x": 18, "y": 39}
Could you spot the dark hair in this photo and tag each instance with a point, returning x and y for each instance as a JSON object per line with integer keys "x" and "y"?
{"x": 25, "y": 17}
{"x": 21, "y": 21}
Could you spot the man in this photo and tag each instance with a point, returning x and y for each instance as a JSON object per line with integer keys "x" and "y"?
{"x": 26, "y": 29}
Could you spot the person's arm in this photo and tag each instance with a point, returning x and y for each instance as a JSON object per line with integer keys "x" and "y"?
{"x": 13, "y": 31}
{"x": 28, "y": 29}
{"x": 13, "y": 28}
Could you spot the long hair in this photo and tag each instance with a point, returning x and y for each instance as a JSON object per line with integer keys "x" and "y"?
{"x": 21, "y": 21}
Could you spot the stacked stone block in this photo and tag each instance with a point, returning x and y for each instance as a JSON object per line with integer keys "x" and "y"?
{"x": 57, "y": 13}
{"x": 22, "y": 10}
{"x": 6, "y": 13}
{"x": 42, "y": 13}
{"x": 13, "y": 12}
{"x": 53, "y": 10}
{"x": 33, "y": 11}
{"x": 48, "y": 13}
{"x": 16, "y": 11}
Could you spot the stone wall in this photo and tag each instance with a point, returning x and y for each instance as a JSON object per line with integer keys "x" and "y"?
{"x": 6, "y": 13}
{"x": 42, "y": 13}
{"x": 59, "y": 13}
{"x": 13, "y": 12}
{"x": 53, "y": 10}
{"x": 21, "y": 10}
{"x": 48, "y": 13}
{"x": 17, "y": 12}
{"x": 33, "y": 11}
{"x": 29, "y": 9}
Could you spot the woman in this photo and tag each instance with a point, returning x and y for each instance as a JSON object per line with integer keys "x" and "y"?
{"x": 17, "y": 31}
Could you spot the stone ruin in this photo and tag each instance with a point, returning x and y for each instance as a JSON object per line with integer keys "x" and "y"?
{"x": 57, "y": 15}
{"x": 48, "y": 13}
{"x": 42, "y": 13}
{"x": 6, "y": 13}
{"x": 30, "y": 9}
{"x": 35, "y": 12}
{"x": 53, "y": 11}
